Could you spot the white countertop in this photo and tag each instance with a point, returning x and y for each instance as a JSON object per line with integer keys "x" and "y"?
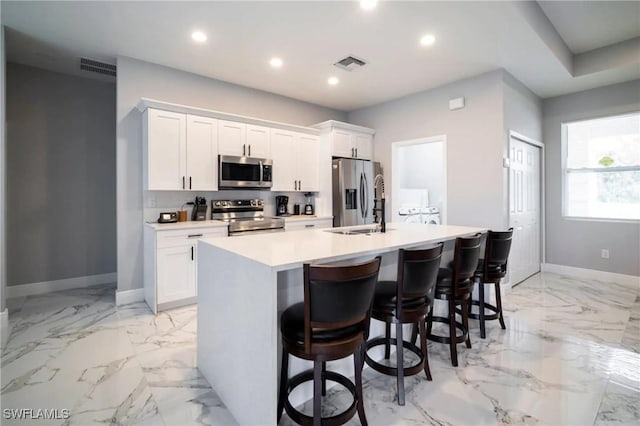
{"x": 288, "y": 250}
{"x": 190, "y": 224}
{"x": 304, "y": 217}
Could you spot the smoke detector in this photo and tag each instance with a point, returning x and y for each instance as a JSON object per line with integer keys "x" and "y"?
{"x": 350, "y": 63}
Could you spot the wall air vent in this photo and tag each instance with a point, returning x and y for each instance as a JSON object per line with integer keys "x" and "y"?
{"x": 350, "y": 63}
{"x": 98, "y": 67}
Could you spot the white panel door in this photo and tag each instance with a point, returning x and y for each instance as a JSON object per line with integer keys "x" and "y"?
{"x": 284, "y": 160}
{"x": 524, "y": 210}
{"x": 308, "y": 164}
{"x": 258, "y": 141}
{"x": 176, "y": 273}
{"x": 166, "y": 150}
{"x": 202, "y": 153}
{"x": 363, "y": 144}
{"x": 341, "y": 144}
{"x": 231, "y": 138}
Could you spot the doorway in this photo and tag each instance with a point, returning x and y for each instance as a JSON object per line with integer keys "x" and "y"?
{"x": 525, "y": 207}
{"x": 419, "y": 180}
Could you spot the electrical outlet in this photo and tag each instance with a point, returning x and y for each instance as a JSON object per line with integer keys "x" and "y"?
{"x": 604, "y": 253}
{"x": 151, "y": 202}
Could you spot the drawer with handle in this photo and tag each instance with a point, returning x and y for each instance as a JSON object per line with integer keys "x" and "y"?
{"x": 184, "y": 237}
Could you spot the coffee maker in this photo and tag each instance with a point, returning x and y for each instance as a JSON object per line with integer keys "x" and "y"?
{"x": 282, "y": 208}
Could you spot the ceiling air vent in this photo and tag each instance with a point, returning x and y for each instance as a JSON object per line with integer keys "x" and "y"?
{"x": 350, "y": 63}
{"x": 98, "y": 67}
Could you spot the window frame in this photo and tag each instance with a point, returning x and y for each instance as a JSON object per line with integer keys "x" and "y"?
{"x": 565, "y": 171}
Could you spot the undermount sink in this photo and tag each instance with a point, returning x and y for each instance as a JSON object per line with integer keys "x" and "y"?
{"x": 360, "y": 231}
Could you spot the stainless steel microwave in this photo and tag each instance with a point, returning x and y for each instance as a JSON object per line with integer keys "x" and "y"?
{"x": 244, "y": 172}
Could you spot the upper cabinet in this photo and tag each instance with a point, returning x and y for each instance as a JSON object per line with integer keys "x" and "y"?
{"x": 348, "y": 140}
{"x": 242, "y": 139}
{"x": 181, "y": 151}
{"x": 296, "y": 161}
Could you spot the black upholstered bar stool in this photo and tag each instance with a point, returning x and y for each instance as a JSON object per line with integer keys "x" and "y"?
{"x": 406, "y": 301}
{"x": 332, "y": 323}
{"x": 491, "y": 269}
{"x": 455, "y": 286}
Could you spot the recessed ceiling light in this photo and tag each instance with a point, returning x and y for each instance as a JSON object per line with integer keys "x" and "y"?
{"x": 368, "y": 4}
{"x": 199, "y": 36}
{"x": 275, "y": 62}
{"x": 333, "y": 81}
{"x": 427, "y": 39}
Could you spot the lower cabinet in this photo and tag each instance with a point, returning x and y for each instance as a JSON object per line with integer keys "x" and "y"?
{"x": 300, "y": 224}
{"x": 170, "y": 265}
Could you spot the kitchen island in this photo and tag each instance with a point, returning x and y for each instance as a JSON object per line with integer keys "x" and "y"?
{"x": 245, "y": 282}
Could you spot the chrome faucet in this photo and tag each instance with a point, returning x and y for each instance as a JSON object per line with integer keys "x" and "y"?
{"x": 379, "y": 180}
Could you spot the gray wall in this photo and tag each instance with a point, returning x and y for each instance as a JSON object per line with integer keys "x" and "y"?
{"x": 578, "y": 242}
{"x": 60, "y": 176}
{"x": 475, "y": 142}
{"x": 137, "y": 79}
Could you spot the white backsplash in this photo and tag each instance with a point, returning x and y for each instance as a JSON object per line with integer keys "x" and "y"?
{"x": 170, "y": 201}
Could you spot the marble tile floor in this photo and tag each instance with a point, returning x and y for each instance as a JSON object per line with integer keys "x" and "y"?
{"x": 570, "y": 356}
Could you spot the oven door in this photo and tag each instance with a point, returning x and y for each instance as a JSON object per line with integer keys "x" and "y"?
{"x": 243, "y": 172}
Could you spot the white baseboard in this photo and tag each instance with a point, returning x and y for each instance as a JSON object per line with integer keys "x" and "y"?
{"x": 4, "y": 328}
{"x": 591, "y": 274}
{"x": 126, "y": 297}
{"x": 58, "y": 285}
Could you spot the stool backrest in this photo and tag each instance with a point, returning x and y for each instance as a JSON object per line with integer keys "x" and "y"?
{"x": 417, "y": 274}
{"x": 338, "y": 296}
{"x": 496, "y": 253}
{"x": 465, "y": 261}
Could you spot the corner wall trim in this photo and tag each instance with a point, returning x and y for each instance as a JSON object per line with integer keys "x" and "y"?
{"x": 591, "y": 274}
{"x": 58, "y": 285}
{"x": 126, "y": 297}
{"x": 4, "y": 328}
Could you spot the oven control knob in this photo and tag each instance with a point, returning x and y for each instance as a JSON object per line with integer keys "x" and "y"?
{"x": 260, "y": 203}
{"x": 217, "y": 204}
{"x": 225, "y": 204}
{"x": 253, "y": 203}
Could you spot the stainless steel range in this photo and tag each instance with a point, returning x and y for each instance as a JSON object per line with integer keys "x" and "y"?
{"x": 245, "y": 216}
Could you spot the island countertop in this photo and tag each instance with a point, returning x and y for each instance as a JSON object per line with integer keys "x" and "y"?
{"x": 288, "y": 250}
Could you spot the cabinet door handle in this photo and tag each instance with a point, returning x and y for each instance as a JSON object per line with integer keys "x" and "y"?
{"x": 244, "y": 149}
{"x": 182, "y": 182}
{"x": 309, "y": 226}
{"x": 299, "y": 185}
{"x": 352, "y": 153}
{"x": 249, "y": 150}
{"x": 295, "y": 185}
{"x": 356, "y": 152}
{"x": 194, "y": 235}
{"x": 189, "y": 182}
{"x": 191, "y": 252}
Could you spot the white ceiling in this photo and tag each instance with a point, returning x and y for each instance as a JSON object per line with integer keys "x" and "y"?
{"x": 472, "y": 37}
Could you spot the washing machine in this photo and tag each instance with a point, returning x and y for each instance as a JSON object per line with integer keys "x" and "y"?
{"x": 430, "y": 215}
{"x": 410, "y": 214}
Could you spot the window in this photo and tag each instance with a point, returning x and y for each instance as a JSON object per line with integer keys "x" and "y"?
{"x": 602, "y": 167}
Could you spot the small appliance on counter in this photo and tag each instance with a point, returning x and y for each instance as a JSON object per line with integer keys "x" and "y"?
{"x": 308, "y": 208}
{"x": 282, "y": 205}
{"x": 199, "y": 211}
{"x": 245, "y": 217}
{"x": 168, "y": 217}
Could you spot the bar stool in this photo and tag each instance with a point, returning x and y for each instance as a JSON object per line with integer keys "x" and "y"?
{"x": 491, "y": 270}
{"x": 456, "y": 286}
{"x": 406, "y": 301}
{"x": 332, "y": 323}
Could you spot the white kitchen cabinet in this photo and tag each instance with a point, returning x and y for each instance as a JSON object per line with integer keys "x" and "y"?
{"x": 242, "y": 139}
{"x": 181, "y": 151}
{"x": 347, "y": 140}
{"x": 298, "y": 224}
{"x": 165, "y": 143}
{"x": 296, "y": 161}
{"x": 170, "y": 264}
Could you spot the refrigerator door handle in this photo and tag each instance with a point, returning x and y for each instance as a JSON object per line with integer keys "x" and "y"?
{"x": 362, "y": 195}
{"x": 366, "y": 196}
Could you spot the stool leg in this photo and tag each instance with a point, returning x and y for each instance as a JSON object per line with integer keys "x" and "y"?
{"x": 429, "y": 320}
{"x": 324, "y": 379}
{"x": 465, "y": 320}
{"x": 414, "y": 333}
{"x": 483, "y": 333}
{"x": 452, "y": 332}
{"x": 387, "y": 345}
{"x": 400, "y": 363}
{"x": 423, "y": 347}
{"x": 284, "y": 377}
{"x": 357, "y": 365}
{"x": 317, "y": 391}
{"x": 499, "y": 306}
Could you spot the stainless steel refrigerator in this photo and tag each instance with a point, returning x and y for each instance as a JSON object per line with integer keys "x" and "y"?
{"x": 353, "y": 191}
